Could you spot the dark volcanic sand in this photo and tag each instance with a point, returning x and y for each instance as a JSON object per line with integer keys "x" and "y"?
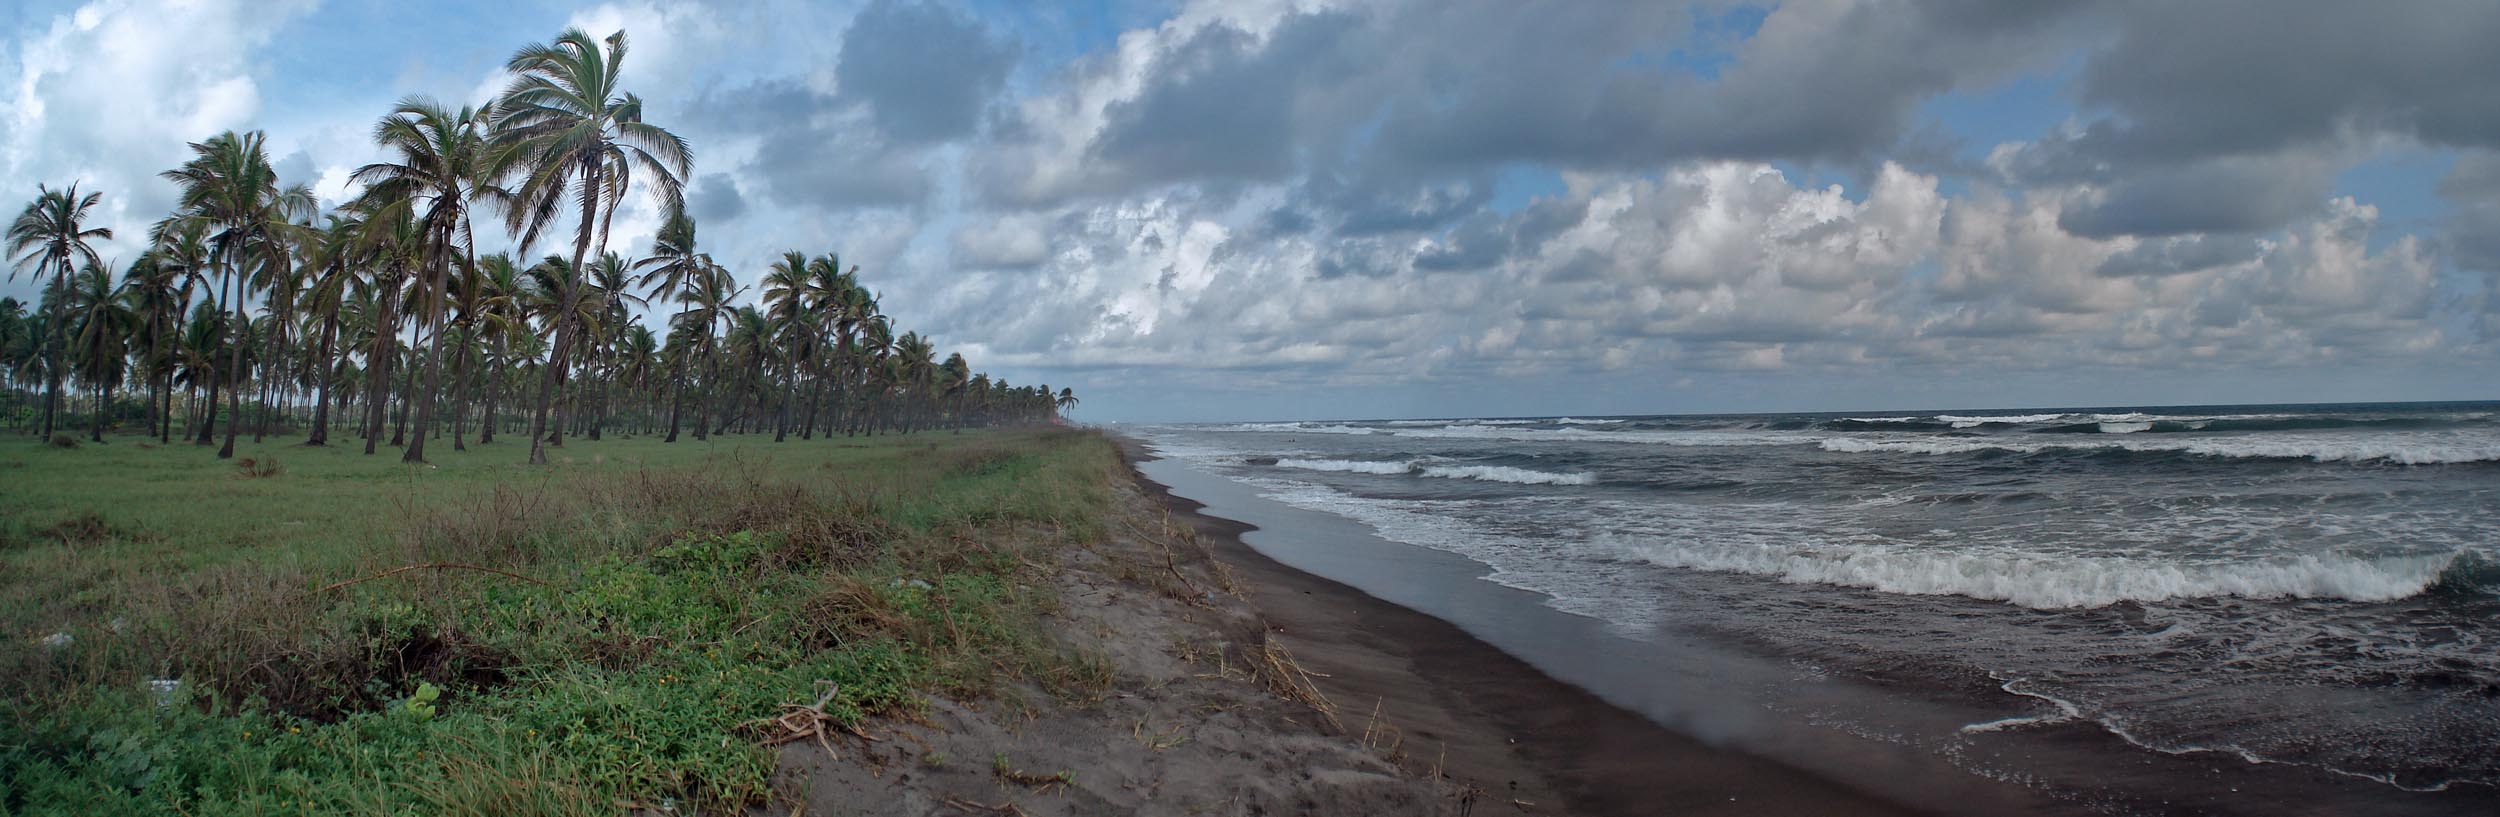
{"x": 1524, "y": 735}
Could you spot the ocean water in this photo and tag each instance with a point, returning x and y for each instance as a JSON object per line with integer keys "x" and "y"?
{"x": 2315, "y": 587}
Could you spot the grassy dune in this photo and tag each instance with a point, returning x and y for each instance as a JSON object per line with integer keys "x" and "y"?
{"x": 346, "y": 634}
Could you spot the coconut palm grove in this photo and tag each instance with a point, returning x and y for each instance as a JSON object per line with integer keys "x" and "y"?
{"x": 467, "y": 291}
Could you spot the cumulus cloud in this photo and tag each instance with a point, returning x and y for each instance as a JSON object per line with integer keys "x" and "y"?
{"x": 1313, "y": 195}
{"x": 1015, "y": 241}
{"x": 108, "y": 93}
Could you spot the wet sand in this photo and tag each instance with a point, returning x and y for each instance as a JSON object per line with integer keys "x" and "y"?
{"x": 1536, "y": 745}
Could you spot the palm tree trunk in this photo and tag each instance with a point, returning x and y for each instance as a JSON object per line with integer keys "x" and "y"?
{"x": 815, "y": 395}
{"x": 377, "y": 370}
{"x": 564, "y": 335}
{"x": 234, "y": 335}
{"x": 260, "y": 429}
{"x": 153, "y": 424}
{"x": 566, "y": 409}
{"x": 434, "y": 365}
{"x": 711, "y": 383}
{"x": 781, "y": 419}
{"x": 104, "y": 400}
{"x": 466, "y": 382}
{"x": 676, "y": 395}
{"x": 52, "y": 369}
{"x": 408, "y": 398}
{"x": 596, "y": 395}
{"x": 486, "y": 422}
{"x": 165, "y": 394}
{"x": 321, "y": 409}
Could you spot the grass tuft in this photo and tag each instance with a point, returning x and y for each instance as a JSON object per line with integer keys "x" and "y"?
{"x": 479, "y": 637}
{"x": 257, "y": 467}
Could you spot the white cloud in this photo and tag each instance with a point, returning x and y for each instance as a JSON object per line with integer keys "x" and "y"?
{"x": 108, "y": 94}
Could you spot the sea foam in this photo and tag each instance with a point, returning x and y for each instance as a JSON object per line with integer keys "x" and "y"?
{"x": 2389, "y": 449}
{"x": 2058, "y": 582}
{"x": 1486, "y": 473}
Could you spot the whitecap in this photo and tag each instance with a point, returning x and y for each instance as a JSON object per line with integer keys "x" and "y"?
{"x": 1485, "y": 473}
{"x": 1973, "y": 421}
{"x": 1354, "y": 466}
{"x": 2057, "y": 582}
{"x": 1503, "y": 473}
{"x": 2399, "y": 450}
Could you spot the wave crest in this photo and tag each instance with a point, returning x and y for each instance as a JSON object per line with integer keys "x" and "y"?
{"x": 2049, "y": 583}
{"x": 2389, "y": 450}
{"x": 1485, "y": 473}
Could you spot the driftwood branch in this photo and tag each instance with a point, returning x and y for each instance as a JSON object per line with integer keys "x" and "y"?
{"x": 432, "y": 566}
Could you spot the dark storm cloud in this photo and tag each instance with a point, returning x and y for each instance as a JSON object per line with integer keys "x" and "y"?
{"x": 2197, "y": 117}
{"x": 2203, "y": 79}
{"x": 2227, "y": 116}
{"x": 1487, "y": 239}
{"x": 1367, "y": 208}
{"x": 924, "y": 71}
{"x": 1224, "y": 105}
{"x": 714, "y": 197}
{"x": 2473, "y": 229}
{"x": 2220, "y": 196}
{"x": 1594, "y": 85}
{"x": 814, "y": 149}
{"x": 1478, "y": 243}
{"x": 1383, "y": 113}
{"x": 2174, "y": 256}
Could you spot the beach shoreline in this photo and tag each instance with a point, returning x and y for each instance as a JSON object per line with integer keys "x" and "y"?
{"x": 1536, "y": 744}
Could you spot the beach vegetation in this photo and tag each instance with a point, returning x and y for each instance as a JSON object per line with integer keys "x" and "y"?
{"x": 632, "y": 623}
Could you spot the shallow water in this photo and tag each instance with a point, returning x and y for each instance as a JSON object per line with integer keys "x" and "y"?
{"x": 2310, "y": 589}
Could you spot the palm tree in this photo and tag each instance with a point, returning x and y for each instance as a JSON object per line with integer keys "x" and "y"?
{"x": 181, "y": 246}
{"x": 607, "y": 290}
{"x": 394, "y": 243}
{"x": 274, "y": 255}
{"x": 750, "y": 340}
{"x": 670, "y": 269}
{"x": 104, "y": 326}
{"x": 1067, "y": 399}
{"x": 229, "y": 186}
{"x": 442, "y": 166}
{"x": 708, "y": 302}
{"x": 337, "y": 255}
{"x": 502, "y": 319}
{"x": 155, "y": 291}
{"x": 839, "y": 304}
{"x": 638, "y": 360}
{"x": 917, "y": 373}
{"x": 573, "y": 136}
{"x": 14, "y": 341}
{"x": 791, "y": 305}
{"x": 51, "y": 235}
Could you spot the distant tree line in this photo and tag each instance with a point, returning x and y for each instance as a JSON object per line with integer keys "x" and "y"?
{"x": 250, "y": 312}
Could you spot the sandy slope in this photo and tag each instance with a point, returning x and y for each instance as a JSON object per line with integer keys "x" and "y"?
{"x": 1198, "y": 721}
{"x": 1245, "y": 687}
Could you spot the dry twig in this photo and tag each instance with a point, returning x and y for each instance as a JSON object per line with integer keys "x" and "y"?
{"x": 798, "y": 722}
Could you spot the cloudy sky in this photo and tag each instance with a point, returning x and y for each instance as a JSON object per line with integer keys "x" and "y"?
{"x": 1228, "y": 209}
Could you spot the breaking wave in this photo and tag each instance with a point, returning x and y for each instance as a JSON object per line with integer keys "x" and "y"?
{"x": 1486, "y": 473}
{"x": 2393, "y": 450}
{"x": 2062, "y": 582}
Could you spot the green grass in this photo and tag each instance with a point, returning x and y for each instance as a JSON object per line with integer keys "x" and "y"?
{"x": 633, "y": 610}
